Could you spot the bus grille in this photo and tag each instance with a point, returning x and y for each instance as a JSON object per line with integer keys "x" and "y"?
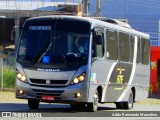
{"x": 52, "y": 82}
{"x": 48, "y": 92}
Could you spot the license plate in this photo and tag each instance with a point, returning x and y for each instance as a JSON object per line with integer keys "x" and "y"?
{"x": 49, "y": 98}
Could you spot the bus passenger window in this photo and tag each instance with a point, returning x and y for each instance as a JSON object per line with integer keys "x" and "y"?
{"x": 98, "y": 46}
{"x": 112, "y": 43}
{"x": 145, "y": 47}
{"x": 132, "y": 42}
{"x": 124, "y": 51}
{"x": 138, "y": 51}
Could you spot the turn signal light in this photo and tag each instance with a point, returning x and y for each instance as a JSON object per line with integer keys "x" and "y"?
{"x": 78, "y": 94}
{"x": 21, "y": 92}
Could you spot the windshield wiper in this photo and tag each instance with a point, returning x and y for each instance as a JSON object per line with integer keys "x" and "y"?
{"x": 39, "y": 57}
{"x": 43, "y": 54}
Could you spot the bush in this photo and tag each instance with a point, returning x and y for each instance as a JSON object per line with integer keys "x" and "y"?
{"x": 8, "y": 77}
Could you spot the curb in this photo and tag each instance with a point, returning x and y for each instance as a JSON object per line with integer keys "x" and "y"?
{"x": 8, "y": 90}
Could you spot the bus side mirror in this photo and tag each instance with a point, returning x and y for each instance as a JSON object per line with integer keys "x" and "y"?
{"x": 13, "y": 34}
{"x": 99, "y": 39}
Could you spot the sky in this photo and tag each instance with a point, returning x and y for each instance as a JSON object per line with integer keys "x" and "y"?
{"x": 33, "y": 4}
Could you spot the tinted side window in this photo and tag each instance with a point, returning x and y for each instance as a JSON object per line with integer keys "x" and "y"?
{"x": 99, "y": 48}
{"x": 132, "y": 42}
{"x": 145, "y": 46}
{"x": 112, "y": 43}
{"x": 124, "y": 50}
{"x": 98, "y": 42}
{"x": 138, "y": 51}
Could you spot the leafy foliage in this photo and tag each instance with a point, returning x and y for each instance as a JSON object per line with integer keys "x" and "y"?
{"x": 8, "y": 77}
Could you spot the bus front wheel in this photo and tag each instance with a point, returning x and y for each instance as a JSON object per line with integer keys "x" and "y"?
{"x": 93, "y": 106}
{"x": 78, "y": 106}
{"x": 33, "y": 104}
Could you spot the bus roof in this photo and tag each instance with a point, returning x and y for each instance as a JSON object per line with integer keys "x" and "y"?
{"x": 110, "y": 23}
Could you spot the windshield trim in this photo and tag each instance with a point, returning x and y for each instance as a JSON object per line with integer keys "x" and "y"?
{"x": 36, "y": 58}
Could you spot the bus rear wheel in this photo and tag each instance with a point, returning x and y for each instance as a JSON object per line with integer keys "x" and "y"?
{"x": 129, "y": 103}
{"x": 119, "y": 105}
{"x": 33, "y": 104}
{"x": 93, "y": 106}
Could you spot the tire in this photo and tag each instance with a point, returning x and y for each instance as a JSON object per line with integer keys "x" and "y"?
{"x": 129, "y": 103}
{"x": 93, "y": 106}
{"x": 33, "y": 104}
{"x": 119, "y": 105}
{"x": 78, "y": 106}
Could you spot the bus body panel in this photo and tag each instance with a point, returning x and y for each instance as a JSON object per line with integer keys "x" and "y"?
{"x": 98, "y": 77}
{"x": 37, "y": 85}
{"x": 114, "y": 84}
{"x": 113, "y": 79}
{"x": 67, "y": 96}
{"x": 118, "y": 81}
{"x": 141, "y": 81}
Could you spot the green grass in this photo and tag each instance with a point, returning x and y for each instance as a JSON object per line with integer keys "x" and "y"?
{"x": 149, "y": 101}
{"x": 8, "y": 77}
{"x": 9, "y": 97}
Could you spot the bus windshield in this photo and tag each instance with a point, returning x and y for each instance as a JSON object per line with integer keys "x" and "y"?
{"x": 54, "y": 42}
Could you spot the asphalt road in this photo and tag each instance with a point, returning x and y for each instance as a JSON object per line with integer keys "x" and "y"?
{"x": 64, "y": 110}
{"x": 18, "y": 108}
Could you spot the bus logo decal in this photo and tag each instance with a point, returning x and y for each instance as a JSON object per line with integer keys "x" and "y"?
{"x": 48, "y": 82}
{"x": 120, "y": 70}
{"x": 120, "y": 75}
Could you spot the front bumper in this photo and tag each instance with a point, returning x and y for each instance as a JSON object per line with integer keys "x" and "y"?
{"x": 65, "y": 94}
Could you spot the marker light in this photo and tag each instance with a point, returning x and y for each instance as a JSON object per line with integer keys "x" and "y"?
{"x": 110, "y": 83}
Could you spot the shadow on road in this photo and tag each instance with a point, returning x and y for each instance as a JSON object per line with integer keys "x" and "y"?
{"x": 154, "y": 96}
{"x": 65, "y": 108}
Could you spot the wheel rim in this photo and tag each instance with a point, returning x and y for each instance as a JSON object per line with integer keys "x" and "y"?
{"x": 130, "y": 101}
{"x": 96, "y": 101}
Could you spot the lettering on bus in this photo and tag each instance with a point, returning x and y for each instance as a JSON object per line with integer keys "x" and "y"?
{"x": 120, "y": 75}
{"x": 40, "y": 27}
{"x": 48, "y": 70}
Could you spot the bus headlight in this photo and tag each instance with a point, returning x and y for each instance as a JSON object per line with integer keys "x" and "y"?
{"x": 75, "y": 80}
{"x": 78, "y": 79}
{"x": 20, "y": 76}
{"x": 81, "y": 78}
